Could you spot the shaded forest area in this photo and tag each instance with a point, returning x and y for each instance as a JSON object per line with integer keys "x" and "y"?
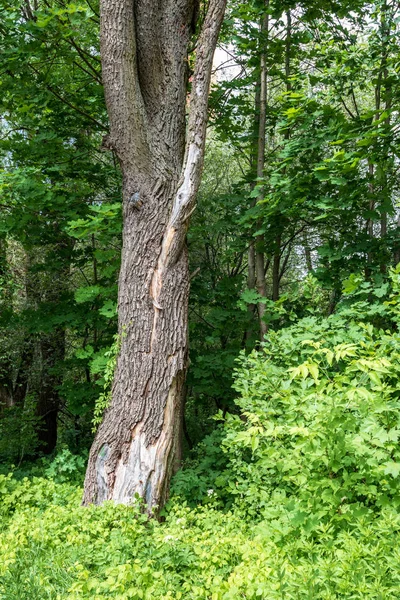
{"x": 289, "y": 478}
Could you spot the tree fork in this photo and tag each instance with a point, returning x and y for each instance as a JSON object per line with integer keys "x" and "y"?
{"x": 144, "y": 48}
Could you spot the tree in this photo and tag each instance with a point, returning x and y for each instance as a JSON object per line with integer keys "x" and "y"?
{"x": 54, "y": 179}
{"x": 145, "y": 47}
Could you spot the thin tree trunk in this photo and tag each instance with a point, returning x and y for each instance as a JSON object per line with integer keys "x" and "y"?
{"x": 6, "y": 383}
{"x": 385, "y": 33}
{"x": 307, "y": 253}
{"x": 259, "y": 242}
{"x": 47, "y": 348}
{"x": 288, "y": 48}
{"x": 251, "y": 285}
{"x": 22, "y": 379}
{"x": 371, "y": 166}
{"x": 144, "y": 55}
{"x": 276, "y": 277}
{"x": 386, "y": 192}
{"x": 52, "y": 350}
{"x": 251, "y": 253}
{"x": 276, "y": 268}
{"x": 6, "y": 395}
{"x": 396, "y": 252}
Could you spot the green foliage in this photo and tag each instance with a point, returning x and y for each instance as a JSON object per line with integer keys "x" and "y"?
{"x": 216, "y": 253}
{"x": 66, "y": 467}
{"x": 60, "y": 216}
{"x": 297, "y": 495}
{"x": 103, "y": 400}
{"x": 202, "y": 470}
{"x": 322, "y": 424}
{"x": 292, "y": 488}
{"x": 319, "y": 424}
{"x": 19, "y": 427}
{"x": 53, "y": 548}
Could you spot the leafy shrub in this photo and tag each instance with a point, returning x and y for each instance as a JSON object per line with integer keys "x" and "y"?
{"x": 297, "y": 496}
{"x": 317, "y": 439}
{"x": 322, "y": 423}
{"x": 195, "y": 483}
{"x": 67, "y": 467}
{"x": 52, "y": 548}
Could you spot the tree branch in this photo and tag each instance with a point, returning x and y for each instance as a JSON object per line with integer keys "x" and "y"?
{"x": 128, "y": 120}
{"x": 185, "y": 196}
{"x": 65, "y": 101}
{"x": 197, "y": 126}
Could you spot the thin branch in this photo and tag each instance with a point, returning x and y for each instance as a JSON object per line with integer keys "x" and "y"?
{"x": 92, "y": 9}
{"x": 197, "y": 123}
{"x": 201, "y": 318}
{"x": 12, "y": 131}
{"x": 87, "y": 63}
{"x": 65, "y": 101}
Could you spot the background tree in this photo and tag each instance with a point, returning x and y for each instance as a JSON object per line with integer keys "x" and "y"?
{"x": 53, "y": 179}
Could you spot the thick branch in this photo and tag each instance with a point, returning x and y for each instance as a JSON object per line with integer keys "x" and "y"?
{"x": 148, "y": 27}
{"x": 185, "y": 197}
{"x": 193, "y": 163}
{"x": 124, "y": 100}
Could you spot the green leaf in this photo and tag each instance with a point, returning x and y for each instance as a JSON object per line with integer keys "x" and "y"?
{"x": 392, "y": 468}
{"x": 87, "y": 294}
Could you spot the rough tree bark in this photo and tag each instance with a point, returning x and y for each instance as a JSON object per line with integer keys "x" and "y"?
{"x": 144, "y": 46}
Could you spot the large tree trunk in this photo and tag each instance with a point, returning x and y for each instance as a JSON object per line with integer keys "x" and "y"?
{"x": 136, "y": 443}
{"x": 144, "y": 54}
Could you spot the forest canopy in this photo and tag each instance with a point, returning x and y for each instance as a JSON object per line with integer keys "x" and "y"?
{"x": 240, "y": 440}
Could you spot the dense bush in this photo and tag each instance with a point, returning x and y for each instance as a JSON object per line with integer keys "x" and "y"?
{"x": 323, "y": 423}
{"x": 296, "y": 496}
{"x": 51, "y": 548}
{"x": 19, "y": 427}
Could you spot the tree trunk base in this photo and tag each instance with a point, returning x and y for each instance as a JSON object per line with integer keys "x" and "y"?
{"x": 144, "y": 470}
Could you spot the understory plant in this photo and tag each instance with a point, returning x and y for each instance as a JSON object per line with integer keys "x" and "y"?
{"x": 316, "y": 440}
{"x": 294, "y": 496}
